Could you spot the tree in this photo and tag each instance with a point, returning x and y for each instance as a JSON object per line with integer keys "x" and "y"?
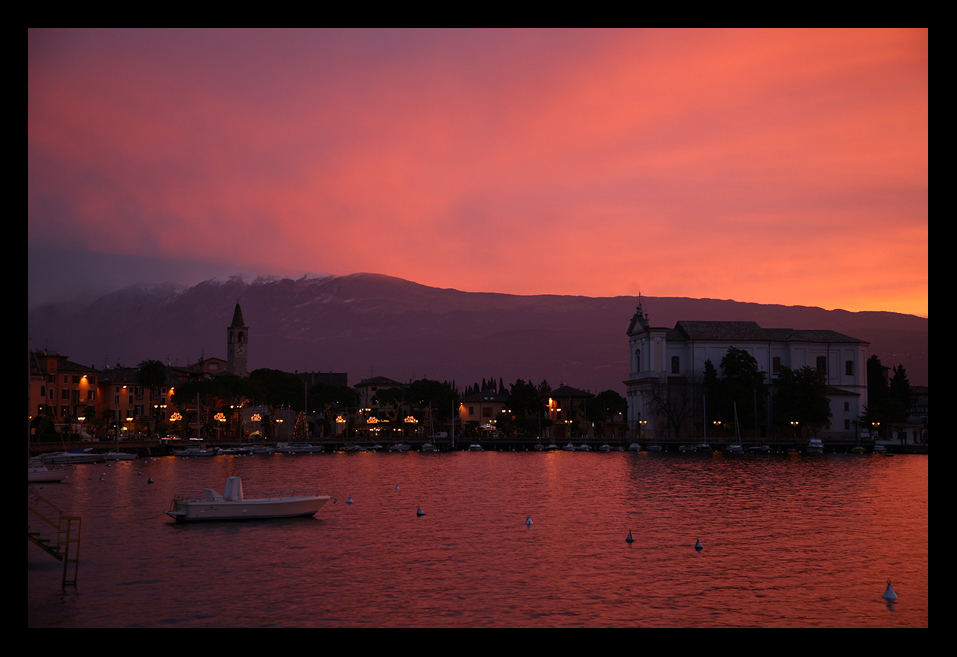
{"x": 801, "y": 396}
{"x": 900, "y": 391}
{"x": 886, "y": 404}
{"x": 281, "y": 388}
{"x": 605, "y": 407}
{"x": 741, "y": 383}
{"x": 525, "y": 408}
{"x": 328, "y": 400}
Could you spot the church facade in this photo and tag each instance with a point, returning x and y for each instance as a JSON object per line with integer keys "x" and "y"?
{"x": 658, "y": 355}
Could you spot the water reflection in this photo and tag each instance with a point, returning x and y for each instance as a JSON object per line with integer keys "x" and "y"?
{"x": 787, "y": 541}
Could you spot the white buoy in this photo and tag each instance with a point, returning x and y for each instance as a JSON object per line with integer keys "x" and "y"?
{"x": 150, "y": 480}
{"x": 698, "y": 546}
{"x": 528, "y": 521}
{"x": 420, "y": 512}
{"x": 889, "y": 594}
{"x": 349, "y": 501}
{"x": 397, "y": 487}
{"x": 629, "y": 539}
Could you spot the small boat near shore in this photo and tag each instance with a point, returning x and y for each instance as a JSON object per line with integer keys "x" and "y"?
{"x": 119, "y": 456}
{"x": 232, "y": 505}
{"x": 298, "y": 448}
{"x": 39, "y": 473}
{"x": 72, "y": 457}
{"x": 197, "y": 451}
{"x": 815, "y": 446}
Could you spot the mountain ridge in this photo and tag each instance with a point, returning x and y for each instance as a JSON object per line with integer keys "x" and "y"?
{"x": 374, "y": 323}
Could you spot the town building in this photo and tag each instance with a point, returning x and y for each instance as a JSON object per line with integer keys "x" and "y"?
{"x": 63, "y": 391}
{"x": 567, "y": 409}
{"x": 480, "y": 411}
{"x": 659, "y": 356}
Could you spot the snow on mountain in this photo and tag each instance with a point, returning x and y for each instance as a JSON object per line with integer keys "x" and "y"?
{"x": 370, "y": 323}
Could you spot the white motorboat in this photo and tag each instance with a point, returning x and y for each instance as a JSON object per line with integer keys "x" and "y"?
{"x": 233, "y": 506}
{"x": 605, "y": 448}
{"x": 760, "y": 449}
{"x": 353, "y": 448}
{"x": 119, "y": 456}
{"x": 39, "y": 473}
{"x": 568, "y": 448}
{"x": 634, "y": 447}
{"x": 655, "y": 448}
{"x": 73, "y": 457}
{"x": 583, "y": 448}
{"x": 428, "y": 447}
{"x": 815, "y": 446}
{"x": 551, "y": 447}
{"x": 880, "y": 449}
{"x": 298, "y": 448}
{"x": 687, "y": 448}
{"x": 734, "y": 449}
{"x": 197, "y": 451}
{"x": 475, "y": 447}
{"x": 401, "y": 447}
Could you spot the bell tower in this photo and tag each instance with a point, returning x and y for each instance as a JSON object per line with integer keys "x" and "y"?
{"x": 237, "y": 338}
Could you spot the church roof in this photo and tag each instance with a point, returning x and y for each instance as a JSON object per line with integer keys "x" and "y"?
{"x": 378, "y": 381}
{"x": 566, "y": 392}
{"x": 238, "y": 317}
{"x": 751, "y": 332}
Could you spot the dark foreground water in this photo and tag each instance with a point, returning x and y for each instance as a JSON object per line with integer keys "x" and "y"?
{"x": 789, "y": 541}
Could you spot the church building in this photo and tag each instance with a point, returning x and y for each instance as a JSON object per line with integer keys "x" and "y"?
{"x": 659, "y": 354}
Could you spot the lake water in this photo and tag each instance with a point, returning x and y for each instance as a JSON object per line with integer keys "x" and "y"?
{"x": 789, "y": 541}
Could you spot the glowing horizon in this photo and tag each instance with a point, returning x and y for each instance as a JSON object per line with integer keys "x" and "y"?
{"x": 768, "y": 166}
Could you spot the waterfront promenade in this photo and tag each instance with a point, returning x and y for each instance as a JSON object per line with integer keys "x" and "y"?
{"x": 154, "y": 447}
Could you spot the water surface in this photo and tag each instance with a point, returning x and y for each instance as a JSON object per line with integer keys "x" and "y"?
{"x": 789, "y": 541}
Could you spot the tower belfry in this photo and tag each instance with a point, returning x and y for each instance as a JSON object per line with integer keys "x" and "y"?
{"x": 237, "y": 339}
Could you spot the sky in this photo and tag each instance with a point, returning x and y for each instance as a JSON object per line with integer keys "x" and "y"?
{"x": 768, "y": 166}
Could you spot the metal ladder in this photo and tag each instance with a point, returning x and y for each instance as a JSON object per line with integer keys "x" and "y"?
{"x": 68, "y": 530}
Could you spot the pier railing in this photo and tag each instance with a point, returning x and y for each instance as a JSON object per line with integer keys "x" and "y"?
{"x": 66, "y": 528}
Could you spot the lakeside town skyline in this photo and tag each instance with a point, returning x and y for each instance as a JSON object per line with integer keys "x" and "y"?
{"x": 767, "y": 166}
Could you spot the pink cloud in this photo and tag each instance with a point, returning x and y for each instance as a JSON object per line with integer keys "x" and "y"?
{"x": 524, "y": 162}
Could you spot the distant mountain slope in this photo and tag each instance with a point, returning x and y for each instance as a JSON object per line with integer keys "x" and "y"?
{"x": 366, "y": 324}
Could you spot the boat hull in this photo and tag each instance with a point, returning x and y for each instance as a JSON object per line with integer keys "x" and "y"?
{"x": 45, "y": 476}
{"x": 261, "y": 509}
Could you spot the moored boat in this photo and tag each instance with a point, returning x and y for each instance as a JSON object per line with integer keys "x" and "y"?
{"x": 39, "y": 473}
{"x": 880, "y": 449}
{"x": 815, "y": 446}
{"x": 119, "y": 456}
{"x": 198, "y": 451}
{"x": 233, "y": 506}
{"x": 73, "y": 456}
{"x": 634, "y": 447}
{"x": 475, "y": 447}
{"x": 298, "y": 448}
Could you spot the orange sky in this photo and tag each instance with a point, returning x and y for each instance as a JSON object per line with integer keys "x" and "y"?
{"x": 781, "y": 166}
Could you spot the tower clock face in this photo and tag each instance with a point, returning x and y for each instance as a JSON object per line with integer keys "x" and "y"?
{"x": 240, "y": 350}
